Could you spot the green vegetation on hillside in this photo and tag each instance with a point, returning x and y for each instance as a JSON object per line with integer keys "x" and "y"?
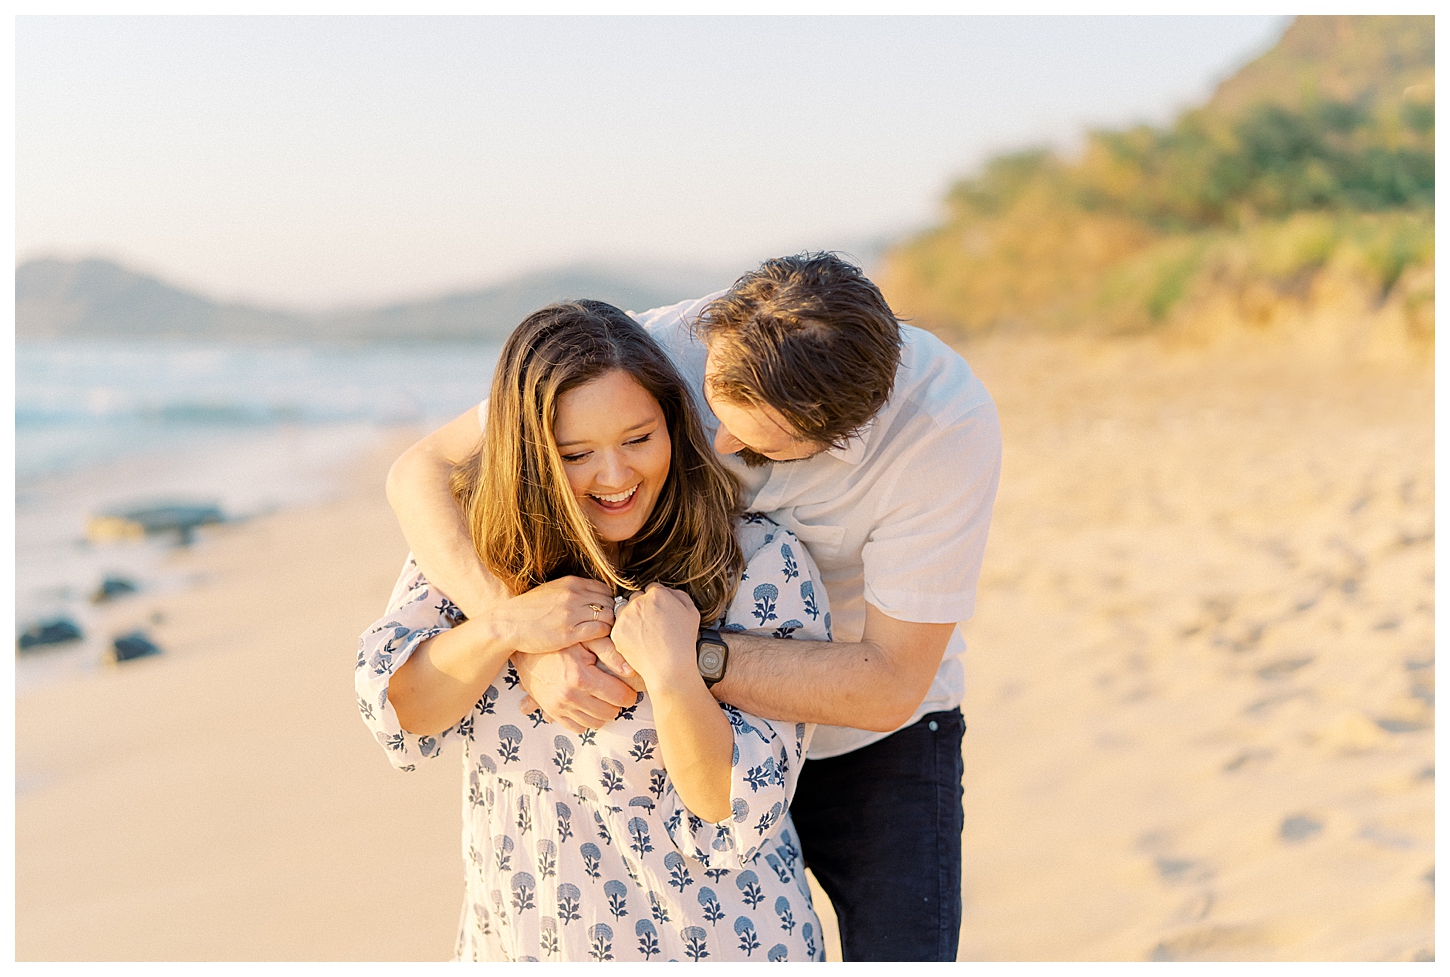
{"x": 1275, "y": 184}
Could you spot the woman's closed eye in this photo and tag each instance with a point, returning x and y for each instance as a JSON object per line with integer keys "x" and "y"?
{"x": 581, "y": 455}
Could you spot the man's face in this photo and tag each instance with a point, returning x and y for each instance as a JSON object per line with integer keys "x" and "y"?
{"x": 759, "y": 435}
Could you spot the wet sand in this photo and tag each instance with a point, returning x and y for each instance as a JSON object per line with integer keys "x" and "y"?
{"x": 1200, "y": 698}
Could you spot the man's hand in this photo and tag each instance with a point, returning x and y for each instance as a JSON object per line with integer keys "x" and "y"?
{"x": 613, "y": 662}
{"x": 571, "y": 689}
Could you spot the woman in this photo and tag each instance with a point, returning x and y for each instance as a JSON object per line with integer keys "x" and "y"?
{"x": 665, "y": 834}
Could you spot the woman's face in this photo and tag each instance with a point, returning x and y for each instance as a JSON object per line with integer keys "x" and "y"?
{"x": 612, "y": 436}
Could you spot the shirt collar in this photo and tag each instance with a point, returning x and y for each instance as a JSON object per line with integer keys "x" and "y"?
{"x": 855, "y": 449}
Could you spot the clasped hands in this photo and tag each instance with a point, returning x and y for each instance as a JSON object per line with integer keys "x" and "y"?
{"x": 581, "y": 662}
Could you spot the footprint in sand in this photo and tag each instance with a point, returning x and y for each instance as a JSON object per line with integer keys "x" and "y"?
{"x": 1182, "y": 871}
{"x": 1173, "y": 869}
{"x": 1213, "y": 943}
{"x": 1391, "y": 725}
{"x": 1300, "y": 827}
{"x": 1269, "y": 703}
{"x": 1383, "y": 837}
{"x": 1283, "y": 667}
{"x": 1247, "y": 758}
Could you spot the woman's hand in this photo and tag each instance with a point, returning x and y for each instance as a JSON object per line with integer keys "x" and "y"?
{"x": 557, "y": 614}
{"x": 655, "y": 633}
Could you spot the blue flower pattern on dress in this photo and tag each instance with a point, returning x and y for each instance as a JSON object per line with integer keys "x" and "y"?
{"x": 745, "y": 930}
{"x": 765, "y": 596}
{"x": 599, "y": 946}
{"x": 711, "y": 905}
{"x": 808, "y": 599}
{"x": 558, "y": 881}
{"x": 696, "y": 945}
{"x": 649, "y": 943}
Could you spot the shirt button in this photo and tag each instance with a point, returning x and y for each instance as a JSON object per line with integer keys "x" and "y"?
{"x": 931, "y": 725}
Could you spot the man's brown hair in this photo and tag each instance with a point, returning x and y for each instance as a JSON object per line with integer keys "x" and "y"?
{"x": 809, "y": 335}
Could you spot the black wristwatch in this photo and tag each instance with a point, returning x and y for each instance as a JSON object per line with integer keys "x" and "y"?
{"x": 711, "y": 654}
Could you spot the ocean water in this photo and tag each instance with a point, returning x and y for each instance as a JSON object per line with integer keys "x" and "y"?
{"x": 109, "y": 424}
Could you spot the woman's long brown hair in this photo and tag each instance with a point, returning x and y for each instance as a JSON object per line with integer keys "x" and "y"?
{"x": 525, "y": 521}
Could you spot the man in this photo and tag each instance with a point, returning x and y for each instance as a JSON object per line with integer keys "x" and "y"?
{"x": 874, "y": 443}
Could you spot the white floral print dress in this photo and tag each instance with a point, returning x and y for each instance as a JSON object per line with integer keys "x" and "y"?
{"x": 576, "y": 847}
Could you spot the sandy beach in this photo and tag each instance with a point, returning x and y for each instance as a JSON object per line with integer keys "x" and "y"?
{"x": 1201, "y": 675}
{"x": 222, "y": 801}
{"x": 1199, "y": 711}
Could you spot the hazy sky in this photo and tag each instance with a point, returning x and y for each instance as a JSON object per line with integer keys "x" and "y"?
{"x": 314, "y": 161}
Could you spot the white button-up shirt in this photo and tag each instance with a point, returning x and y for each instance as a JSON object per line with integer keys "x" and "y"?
{"x": 899, "y": 517}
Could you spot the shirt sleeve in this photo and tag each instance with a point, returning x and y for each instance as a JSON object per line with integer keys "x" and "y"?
{"x": 923, "y": 558}
{"x": 780, "y": 596}
{"x": 416, "y": 612}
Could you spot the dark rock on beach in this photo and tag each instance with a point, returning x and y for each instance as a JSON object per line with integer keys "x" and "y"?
{"x": 56, "y": 631}
{"x": 111, "y": 588}
{"x": 133, "y": 645}
{"x": 139, "y": 523}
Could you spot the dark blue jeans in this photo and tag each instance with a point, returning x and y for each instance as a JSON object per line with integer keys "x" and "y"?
{"x": 881, "y": 828}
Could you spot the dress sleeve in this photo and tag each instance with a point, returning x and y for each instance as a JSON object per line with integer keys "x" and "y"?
{"x": 780, "y": 596}
{"x": 416, "y": 612}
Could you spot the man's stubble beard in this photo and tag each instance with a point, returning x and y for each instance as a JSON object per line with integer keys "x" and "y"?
{"x": 754, "y": 459}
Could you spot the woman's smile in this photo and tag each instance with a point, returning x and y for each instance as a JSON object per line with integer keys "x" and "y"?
{"x": 616, "y": 503}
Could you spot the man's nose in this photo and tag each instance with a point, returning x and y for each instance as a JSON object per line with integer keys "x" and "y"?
{"x": 727, "y": 443}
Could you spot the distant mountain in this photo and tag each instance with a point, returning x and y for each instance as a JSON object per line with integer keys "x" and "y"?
{"x": 98, "y": 298}
{"x": 55, "y": 299}
{"x": 494, "y": 312}
{"x": 1358, "y": 60}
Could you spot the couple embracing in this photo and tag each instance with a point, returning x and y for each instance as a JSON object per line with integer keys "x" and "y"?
{"x": 684, "y": 593}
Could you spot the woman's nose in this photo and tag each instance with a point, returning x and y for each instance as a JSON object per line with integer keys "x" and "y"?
{"x": 614, "y": 470}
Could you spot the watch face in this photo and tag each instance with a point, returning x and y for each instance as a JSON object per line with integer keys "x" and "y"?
{"x": 711, "y": 660}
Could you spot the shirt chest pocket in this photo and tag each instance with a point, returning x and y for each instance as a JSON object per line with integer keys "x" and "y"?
{"x": 824, "y": 541}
